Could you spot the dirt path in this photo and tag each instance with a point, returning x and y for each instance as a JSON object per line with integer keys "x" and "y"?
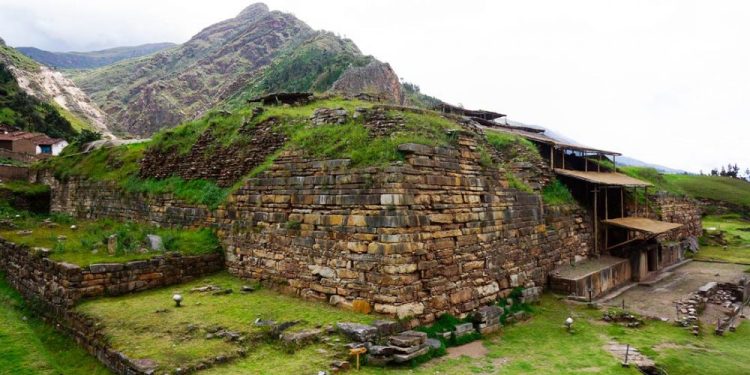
{"x": 473, "y": 349}
{"x": 658, "y": 300}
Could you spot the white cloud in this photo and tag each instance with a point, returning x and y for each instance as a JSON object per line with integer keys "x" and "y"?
{"x": 662, "y": 81}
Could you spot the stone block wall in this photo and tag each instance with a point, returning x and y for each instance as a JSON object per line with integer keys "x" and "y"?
{"x": 93, "y": 199}
{"x": 437, "y": 233}
{"x": 60, "y": 285}
{"x": 681, "y": 210}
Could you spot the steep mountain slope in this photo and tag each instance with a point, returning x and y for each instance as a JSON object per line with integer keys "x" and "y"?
{"x": 35, "y": 96}
{"x": 93, "y": 59}
{"x": 27, "y": 112}
{"x": 259, "y": 51}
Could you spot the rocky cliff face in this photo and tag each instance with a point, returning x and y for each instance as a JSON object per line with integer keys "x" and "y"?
{"x": 51, "y": 87}
{"x": 376, "y": 78}
{"x": 257, "y": 52}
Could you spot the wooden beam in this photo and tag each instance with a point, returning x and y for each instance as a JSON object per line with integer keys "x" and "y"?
{"x": 606, "y": 203}
{"x": 596, "y": 221}
{"x": 586, "y": 161}
{"x": 623, "y": 243}
{"x": 622, "y": 201}
{"x": 563, "y": 158}
{"x": 552, "y": 157}
{"x": 599, "y": 164}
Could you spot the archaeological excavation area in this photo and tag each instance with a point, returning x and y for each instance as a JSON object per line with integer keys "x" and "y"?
{"x": 258, "y": 237}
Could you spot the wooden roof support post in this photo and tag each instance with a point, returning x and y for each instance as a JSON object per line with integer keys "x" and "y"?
{"x": 622, "y": 201}
{"x": 599, "y": 164}
{"x": 614, "y": 162}
{"x": 563, "y": 158}
{"x": 596, "y": 220}
{"x": 586, "y": 160}
{"x": 606, "y": 216}
{"x": 552, "y": 157}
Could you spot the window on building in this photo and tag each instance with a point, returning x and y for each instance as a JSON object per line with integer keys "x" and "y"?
{"x": 45, "y": 149}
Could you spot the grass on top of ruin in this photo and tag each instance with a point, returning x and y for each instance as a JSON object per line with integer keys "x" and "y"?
{"x": 726, "y": 238}
{"x": 148, "y": 325}
{"x": 85, "y": 242}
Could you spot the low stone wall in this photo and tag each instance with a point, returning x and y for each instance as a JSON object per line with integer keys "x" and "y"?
{"x": 437, "y": 234}
{"x": 93, "y": 200}
{"x": 89, "y": 336}
{"x": 60, "y": 285}
{"x": 9, "y": 172}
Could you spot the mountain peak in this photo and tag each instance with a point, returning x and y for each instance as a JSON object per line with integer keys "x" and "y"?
{"x": 2, "y": 42}
{"x": 253, "y": 11}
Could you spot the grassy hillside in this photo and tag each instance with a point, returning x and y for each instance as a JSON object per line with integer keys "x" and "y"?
{"x": 724, "y": 189}
{"x": 311, "y": 66}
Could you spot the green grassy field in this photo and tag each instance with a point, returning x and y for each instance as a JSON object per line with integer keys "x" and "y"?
{"x": 28, "y": 346}
{"x": 737, "y": 234}
{"x": 87, "y": 244}
{"x": 543, "y": 346}
{"x": 538, "y": 346}
{"x": 725, "y": 189}
{"x": 175, "y": 337}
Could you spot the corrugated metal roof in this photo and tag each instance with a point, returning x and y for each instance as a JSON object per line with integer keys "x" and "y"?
{"x": 603, "y": 178}
{"x": 548, "y": 138}
{"x": 643, "y": 224}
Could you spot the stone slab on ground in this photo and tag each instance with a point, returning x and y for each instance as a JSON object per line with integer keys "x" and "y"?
{"x": 634, "y": 356}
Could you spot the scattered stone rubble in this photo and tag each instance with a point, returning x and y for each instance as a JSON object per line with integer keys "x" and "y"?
{"x": 728, "y": 297}
{"x": 623, "y": 318}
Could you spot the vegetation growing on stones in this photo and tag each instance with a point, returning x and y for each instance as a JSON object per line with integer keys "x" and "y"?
{"x": 233, "y": 130}
{"x": 556, "y": 193}
{"x": 88, "y": 242}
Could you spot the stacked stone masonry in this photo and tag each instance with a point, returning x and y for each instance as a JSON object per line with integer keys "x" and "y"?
{"x": 60, "y": 285}
{"x": 680, "y": 210}
{"x": 438, "y": 233}
{"x": 93, "y": 200}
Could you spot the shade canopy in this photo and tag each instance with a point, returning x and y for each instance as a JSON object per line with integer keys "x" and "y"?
{"x": 642, "y": 224}
{"x": 604, "y": 178}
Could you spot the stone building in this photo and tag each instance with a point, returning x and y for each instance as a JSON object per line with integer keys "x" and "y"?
{"x": 442, "y": 231}
{"x": 638, "y": 234}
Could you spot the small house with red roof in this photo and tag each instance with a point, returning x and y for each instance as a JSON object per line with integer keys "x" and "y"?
{"x": 39, "y": 144}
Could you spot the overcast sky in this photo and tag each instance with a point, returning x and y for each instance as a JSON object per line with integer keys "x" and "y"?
{"x": 666, "y": 82}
